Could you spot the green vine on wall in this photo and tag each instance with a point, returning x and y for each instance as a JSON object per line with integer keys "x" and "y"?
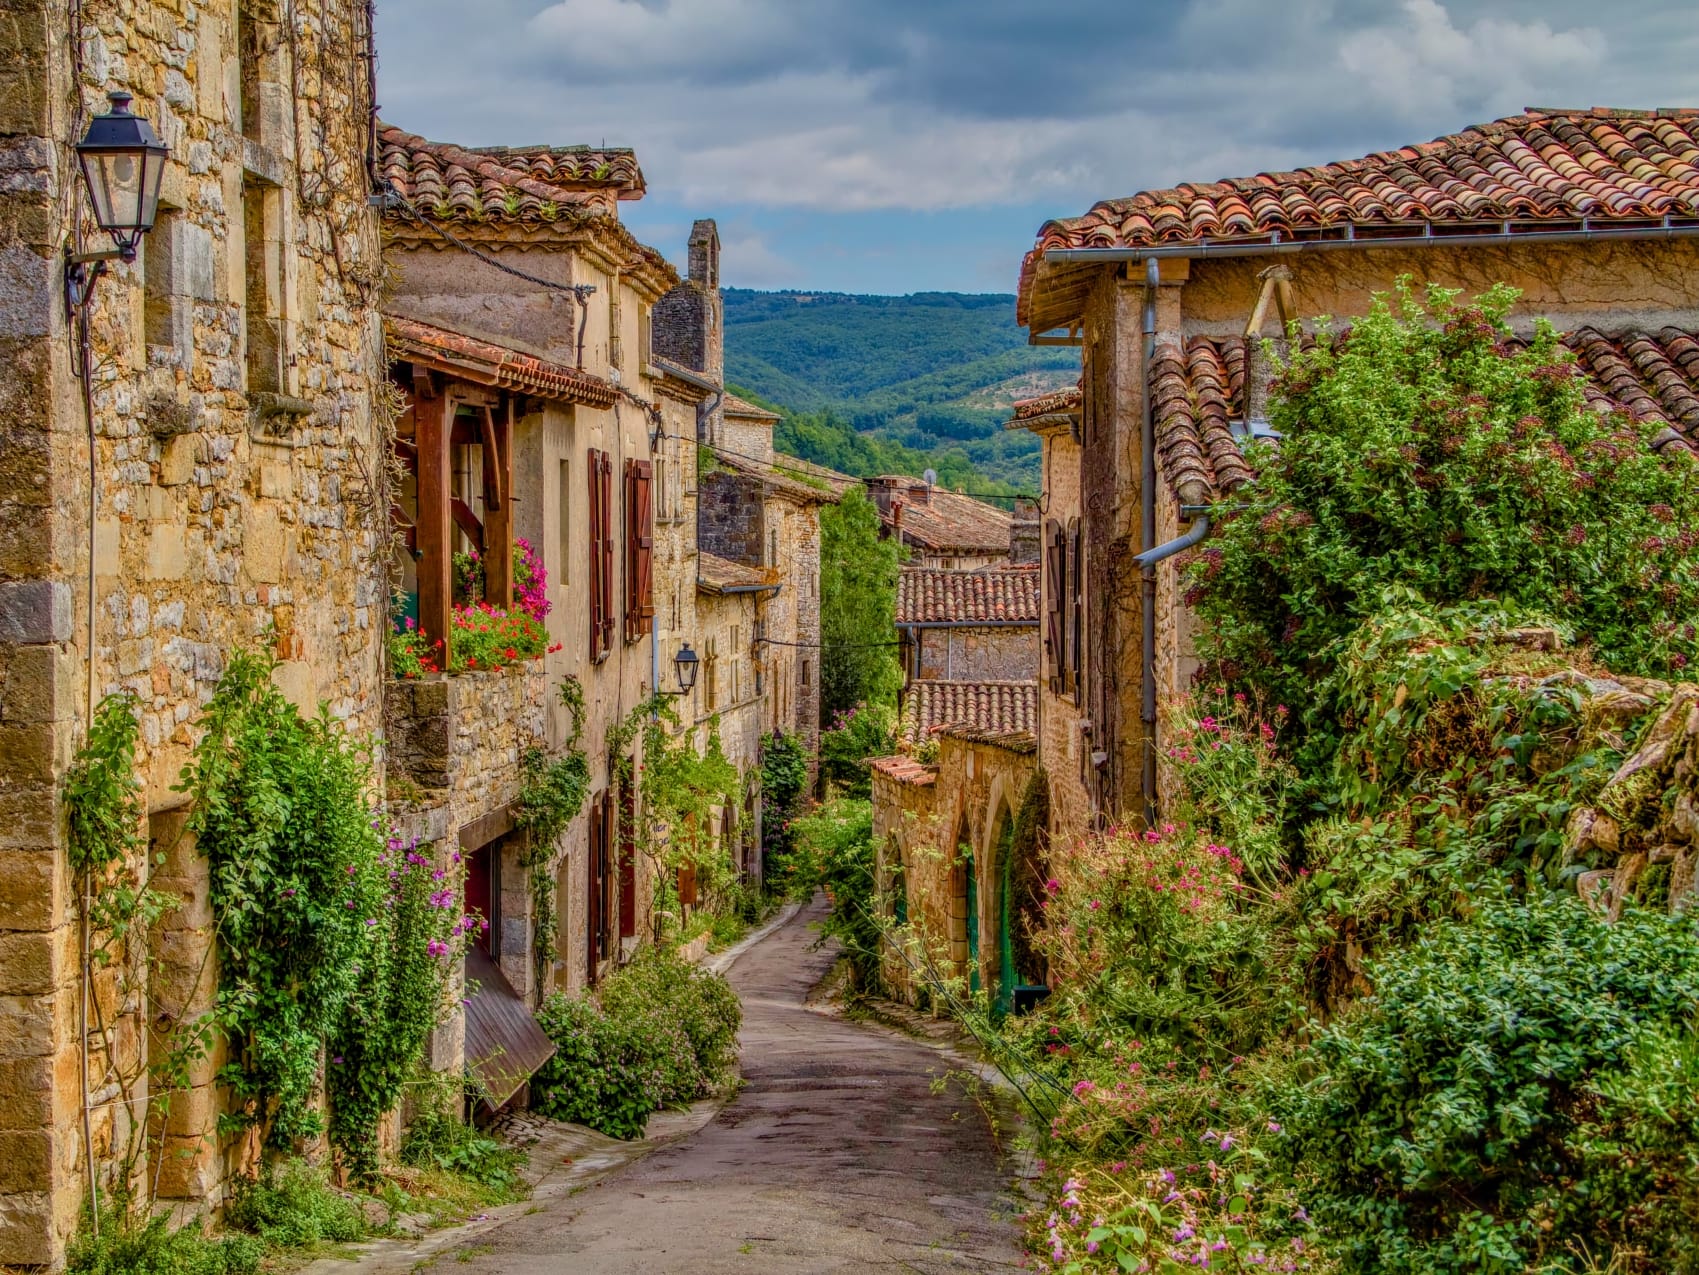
{"x": 551, "y": 793}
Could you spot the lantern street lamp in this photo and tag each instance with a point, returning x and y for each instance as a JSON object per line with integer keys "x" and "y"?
{"x": 122, "y": 162}
{"x": 686, "y": 663}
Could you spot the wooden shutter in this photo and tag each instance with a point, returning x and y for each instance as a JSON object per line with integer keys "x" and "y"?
{"x": 1055, "y": 588}
{"x": 606, "y": 511}
{"x": 687, "y": 885}
{"x": 1076, "y": 618}
{"x": 593, "y": 887}
{"x": 627, "y": 862}
{"x": 593, "y": 467}
{"x": 639, "y": 549}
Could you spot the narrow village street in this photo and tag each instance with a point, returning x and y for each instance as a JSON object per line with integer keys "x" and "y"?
{"x": 835, "y": 1156}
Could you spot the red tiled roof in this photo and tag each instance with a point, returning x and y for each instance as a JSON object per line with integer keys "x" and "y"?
{"x": 797, "y": 484}
{"x": 486, "y": 363}
{"x": 1068, "y": 400}
{"x": 1543, "y": 167}
{"x": 740, "y": 407}
{"x": 929, "y": 595}
{"x": 904, "y": 770}
{"x": 715, "y": 574}
{"x": 1199, "y": 388}
{"x": 1000, "y": 708}
{"x": 807, "y": 469}
{"x": 946, "y": 522}
{"x": 1016, "y": 741}
{"x": 506, "y": 183}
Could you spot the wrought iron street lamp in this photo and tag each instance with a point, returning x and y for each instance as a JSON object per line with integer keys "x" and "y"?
{"x": 122, "y": 162}
{"x": 686, "y": 663}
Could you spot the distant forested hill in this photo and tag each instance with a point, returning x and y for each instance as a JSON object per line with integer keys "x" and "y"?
{"x": 870, "y": 383}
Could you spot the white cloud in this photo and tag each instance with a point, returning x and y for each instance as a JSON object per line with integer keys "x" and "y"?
{"x": 1426, "y": 61}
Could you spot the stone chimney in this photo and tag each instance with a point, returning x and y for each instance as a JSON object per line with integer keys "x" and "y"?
{"x": 920, "y": 494}
{"x": 1025, "y": 537}
{"x": 688, "y": 326}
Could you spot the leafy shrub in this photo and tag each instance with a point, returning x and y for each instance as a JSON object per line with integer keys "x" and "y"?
{"x": 1429, "y": 451}
{"x": 128, "y": 1246}
{"x": 858, "y": 598}
{"x": 784, "y": 783}
{"x": 1447, "y": 1129}
{"x": 438, "y": 1138}
{"x": 293, "y": 1205}
{"x": 857, "y": 734}
{"x": 835, "y": 850}
{"x": 658, "y": 1032}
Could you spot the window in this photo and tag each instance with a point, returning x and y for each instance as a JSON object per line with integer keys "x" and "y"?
{"x": 639, "y": 550}
{"x": 165, "y": 308}
{"x": 712, "y": 661}
{"x": 805, "y": 675}
{"x": 262, "y": 309}
{"x": 1076, "y": 619}
{"x": 773, "y": 547}
{"x": 563, "y": 564}
{"x": 1055, "y": 593}
{"x": 600, "y": 469}
{"x": 645, "y": 339}
{"x": 616, "y": 347}
{"x": 663, "y": 503}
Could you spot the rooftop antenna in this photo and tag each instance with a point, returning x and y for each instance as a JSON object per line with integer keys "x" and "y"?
{"x": 930, "y": 477}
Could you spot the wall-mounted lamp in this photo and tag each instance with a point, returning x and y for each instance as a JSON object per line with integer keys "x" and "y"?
{"x": 686, "y": 663}
{"x": 122, "y": 162}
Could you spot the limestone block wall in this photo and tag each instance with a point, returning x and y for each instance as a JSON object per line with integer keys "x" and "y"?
{"x": 1063, "y": 719}
{"x": 235, "y": 450}
{"x": 963, "y": 654}
{"x": 731, "y": 517}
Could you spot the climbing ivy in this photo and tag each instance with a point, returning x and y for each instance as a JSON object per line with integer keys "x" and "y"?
{"x": 282, "y": 814}
{"x": 551, "y": 793}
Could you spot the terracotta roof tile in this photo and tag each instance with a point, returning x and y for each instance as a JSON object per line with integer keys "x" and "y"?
{"x": 1067, "y": 400}
{"x": 1000, "y": 708}
{"x": 735, "y": 406}
{"x": 1543, "y": 167}
{"x": 797, "y": 484}
{"x": 715, "y": 574}
{"x": 929, "y": 595}
{"x": 941, "y": 521}
{"x": 1016, "y": 741}
{"x": 506, "y": 183}
{"x": 1200, "y": 386}
{"x": 904, "y": 770}
{"x": 486, "y": 363}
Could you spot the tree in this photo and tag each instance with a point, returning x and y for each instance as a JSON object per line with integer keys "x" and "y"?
{"x": 858, "y": 608}
{"x": 1429, "y": 454}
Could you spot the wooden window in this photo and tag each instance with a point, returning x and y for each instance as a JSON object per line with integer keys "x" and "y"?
{"x": 627, "y": 861}
{"x": 600, "y": 469}
{"x": 598, "y": 884}
{"x": 1055, "y": 593}
{"x": 563, "y": 565}
{"x": 1076, "y": 617}
{"x": 639, "y": 550}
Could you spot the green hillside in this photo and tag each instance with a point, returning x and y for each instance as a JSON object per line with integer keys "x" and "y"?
{"x": 924, "y": 380}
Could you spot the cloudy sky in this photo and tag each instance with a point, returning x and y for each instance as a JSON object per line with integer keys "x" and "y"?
{"x": 906, "y": 145}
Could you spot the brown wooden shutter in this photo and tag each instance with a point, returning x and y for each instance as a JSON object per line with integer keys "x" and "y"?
{"x": 627, "y": 862}
{"x": 593, "y": 887}
{"x": 606, "y": 510}
{"x": 1076, "y": 620}
{"x": 593, "y": 467}
{"x": 1055, "y": 588}
{"x": 639, "y": 550}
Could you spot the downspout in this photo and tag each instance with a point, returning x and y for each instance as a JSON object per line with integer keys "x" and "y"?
{"x": 1147, "y": 538}
{"x": 1193, "y": 535}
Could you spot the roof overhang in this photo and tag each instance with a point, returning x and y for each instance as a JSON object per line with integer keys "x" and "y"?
{"x": 484, "y": 362}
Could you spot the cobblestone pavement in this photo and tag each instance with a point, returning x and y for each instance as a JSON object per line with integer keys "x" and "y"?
{"x": 836, "y": 1156}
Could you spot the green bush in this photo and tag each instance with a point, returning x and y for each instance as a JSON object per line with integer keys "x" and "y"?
{"x": 1447, "y": 1129}
{"x": 784, "y": 795}
{"x": 857, "y": 734}
{"x": 293, "y": 1205}
{"x": 658, "y": 1032}
{"x": 438, "y": 1138}
{"x": 835, "y": 851}
{"x": 130, "y": 1247}
{"x": 1430, "y": 452}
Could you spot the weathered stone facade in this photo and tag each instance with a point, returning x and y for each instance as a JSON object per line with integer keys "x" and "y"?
{"x": 930, "y": 823}
{"x": 235, "y": 453}
{"x": 966, "y": 653}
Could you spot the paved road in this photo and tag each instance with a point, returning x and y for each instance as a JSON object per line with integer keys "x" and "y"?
{"x": 835, "y": 1157}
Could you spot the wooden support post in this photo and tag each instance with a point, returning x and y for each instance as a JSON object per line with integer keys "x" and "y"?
{"x": 433, "y": 419}
{"x": 498, "y": 504}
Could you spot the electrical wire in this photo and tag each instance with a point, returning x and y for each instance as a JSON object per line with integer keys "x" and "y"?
{"x": 581, "y": 291}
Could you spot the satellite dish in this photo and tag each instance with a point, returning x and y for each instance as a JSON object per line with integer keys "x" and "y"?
{"x": 931, "y": 477}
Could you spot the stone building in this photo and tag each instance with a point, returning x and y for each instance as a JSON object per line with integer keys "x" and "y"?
{"x": 941, "y": 528}
{"x": 1593, "y": 215}
{"x": 236, "y": 454}
{"x": 968, "y": 626}
{"x": 948, "y": 872}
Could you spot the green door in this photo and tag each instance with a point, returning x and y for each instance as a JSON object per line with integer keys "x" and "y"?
{"x": 1007, "y": 976}
{"x": 972, "y": 887}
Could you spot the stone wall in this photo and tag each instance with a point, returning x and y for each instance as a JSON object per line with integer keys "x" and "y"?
{"x": 963, "y": 654}
{"x": 731, "y": 517}
{"x": 235, "y": 447}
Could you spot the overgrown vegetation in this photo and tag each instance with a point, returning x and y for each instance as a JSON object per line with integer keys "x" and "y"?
{"x": 857, "y": 734}
{"x": 858, "y": 600}
{"x": 659, "y": 1032}
{"x": 551, "y": 795}
{"x": 784, "y": 794}
{"x": 1343, "y": 1009}
{"x": 834, "y": 849}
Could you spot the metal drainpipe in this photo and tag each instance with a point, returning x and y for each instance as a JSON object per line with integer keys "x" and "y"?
{"x": 1147, "y": 540}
